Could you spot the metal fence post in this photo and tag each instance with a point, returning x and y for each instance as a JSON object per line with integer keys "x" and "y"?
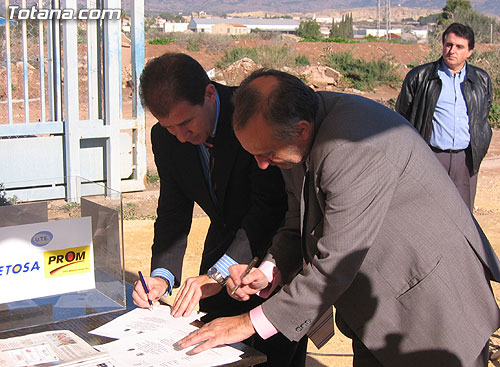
{"x": 71, "y": 106}
{"x": 112, "y": 86}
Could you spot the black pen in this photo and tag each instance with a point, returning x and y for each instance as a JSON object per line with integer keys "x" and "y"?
{"x": 144, "y": 285}
{"x": 249, "y": 267}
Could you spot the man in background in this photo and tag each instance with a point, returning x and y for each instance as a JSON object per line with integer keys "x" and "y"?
{"x": 200, "y": 160}
{"x": 448, "y": 102}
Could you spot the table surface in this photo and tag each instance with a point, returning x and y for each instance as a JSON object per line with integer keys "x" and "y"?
{"x": 81, "y": 327}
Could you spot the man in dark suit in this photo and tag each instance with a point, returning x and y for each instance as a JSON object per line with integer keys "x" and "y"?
{"x": 374, "y": 227}
{"x": 200, "y": 160}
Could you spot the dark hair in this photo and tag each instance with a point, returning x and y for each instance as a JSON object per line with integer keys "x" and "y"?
{"x": 460, "y": 30}
{"x": 289, "y": 102}
{"x": 171, "y": 78}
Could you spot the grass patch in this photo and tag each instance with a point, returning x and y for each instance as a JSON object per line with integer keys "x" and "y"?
{"x": 152, "y": 177}
{"x": 339, "y": 40}
{"x": 302, "y": 60}
{"x": 361, "y": 74}
{"x": 70, "y": 207}
{"x": 161, "y": 41}
{"x": 268, "y": 56}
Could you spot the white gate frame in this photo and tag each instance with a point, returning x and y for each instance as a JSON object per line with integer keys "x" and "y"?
{"x": 75, "y": 131}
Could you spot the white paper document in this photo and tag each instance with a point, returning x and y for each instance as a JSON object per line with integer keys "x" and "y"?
{"x": 142, "y": 320}
{"x": 54, "y": 348}
{"x": 155, "y": 349}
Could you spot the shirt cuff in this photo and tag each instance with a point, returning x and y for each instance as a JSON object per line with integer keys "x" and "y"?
{"x": 167, "y": 275}
{"x": 273, "y": 276}
{"x": 261, "y": 323}
{"x": 223, "y": 265}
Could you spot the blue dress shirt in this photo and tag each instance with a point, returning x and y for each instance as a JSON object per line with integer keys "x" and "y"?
{"x": 450, "y": 124}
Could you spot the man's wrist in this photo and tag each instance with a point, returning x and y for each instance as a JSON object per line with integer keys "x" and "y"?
{"x": 167, "y": 284}
{"x": 167, "y": 276}
{"x": 215, "y": 274}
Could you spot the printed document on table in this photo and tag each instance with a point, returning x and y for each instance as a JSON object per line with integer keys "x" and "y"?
{"x": 142, "y": 320}
{"x": 156, "y": 349}
{"x": 54, "y": 348}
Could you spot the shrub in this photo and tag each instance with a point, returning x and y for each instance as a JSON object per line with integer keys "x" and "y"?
{"x": 236, "y": 54}
{"x": 494, "y": 116}
{"x": 363, "y": 74}
{"x": 193, "y": 46}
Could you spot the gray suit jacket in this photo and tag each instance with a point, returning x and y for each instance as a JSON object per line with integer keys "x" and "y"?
{"x": 389, "y": 242}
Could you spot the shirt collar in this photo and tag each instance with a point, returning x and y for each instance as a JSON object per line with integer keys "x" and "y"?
{"x": 444, "y": 68}
{"x": 217, "y": 114}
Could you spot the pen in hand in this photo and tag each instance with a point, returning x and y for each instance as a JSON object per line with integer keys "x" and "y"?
{"x": 144, "y": 285}
{"x": 247, "y": 270}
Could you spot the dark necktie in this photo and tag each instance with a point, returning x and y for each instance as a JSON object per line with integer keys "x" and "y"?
{"x": 211, "y": 160}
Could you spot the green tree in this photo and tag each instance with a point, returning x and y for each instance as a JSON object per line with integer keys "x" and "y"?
{"x": 343, "y": 29}
{"x": 309, "y": 29}
{"x": 453, "y": 5}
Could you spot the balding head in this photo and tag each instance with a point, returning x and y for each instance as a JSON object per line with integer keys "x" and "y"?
{"x": 282, "y": 99}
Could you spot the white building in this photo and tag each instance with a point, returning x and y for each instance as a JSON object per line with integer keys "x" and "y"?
{"x": 175, "y": 27}
{"x": 272, "y": 25}
{"x": 374, "y": 32}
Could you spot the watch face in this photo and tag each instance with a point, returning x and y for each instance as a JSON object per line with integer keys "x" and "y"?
{"x": 212, "y": 271}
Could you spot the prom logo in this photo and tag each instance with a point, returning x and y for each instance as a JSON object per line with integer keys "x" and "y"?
{"x": 67, "y": 261}
{"x": 41, "y": 238}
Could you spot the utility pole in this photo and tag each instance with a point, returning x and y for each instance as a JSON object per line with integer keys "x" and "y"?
{"x": 388, "y": 17}
{"x": 378, "y": 18}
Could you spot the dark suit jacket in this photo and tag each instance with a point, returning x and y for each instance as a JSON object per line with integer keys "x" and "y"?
{"x": 251, "y": 202}
{"x": 388, "y": 241}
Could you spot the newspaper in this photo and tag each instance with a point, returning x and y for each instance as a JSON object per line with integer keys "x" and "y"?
{"x": 54, "y": 348}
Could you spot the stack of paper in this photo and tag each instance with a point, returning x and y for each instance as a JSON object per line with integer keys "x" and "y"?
{"x": 54, "y": 348}
{"x": 147, "y": 337}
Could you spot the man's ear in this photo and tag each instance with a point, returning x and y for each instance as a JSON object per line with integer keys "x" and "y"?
{"x": 304, "y": 129}
{"x": 210, "y": 93}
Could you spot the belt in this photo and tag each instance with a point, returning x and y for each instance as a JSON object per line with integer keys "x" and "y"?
{"x": 437, "y": 150}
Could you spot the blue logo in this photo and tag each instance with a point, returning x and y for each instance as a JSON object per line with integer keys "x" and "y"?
{"x": 42, "y": 238}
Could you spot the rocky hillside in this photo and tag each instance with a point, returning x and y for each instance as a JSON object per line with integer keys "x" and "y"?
{"x": 290, "y": 6}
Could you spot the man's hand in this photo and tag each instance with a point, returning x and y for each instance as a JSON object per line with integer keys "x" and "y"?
{"x": 251, "y": 284}
{"x": 157, "y": 287}
{"x": 224, "y": 330}
{"x": 193, "y": 289}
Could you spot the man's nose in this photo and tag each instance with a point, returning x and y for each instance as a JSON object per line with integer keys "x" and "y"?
{"x": 182, "y": 134}
{"x": 263, "y": 163}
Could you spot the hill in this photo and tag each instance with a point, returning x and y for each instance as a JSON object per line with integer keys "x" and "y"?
{"x": 291, "y": 6}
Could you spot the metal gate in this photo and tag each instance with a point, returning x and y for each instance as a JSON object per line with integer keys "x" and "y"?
{"x": 64, "y": 124}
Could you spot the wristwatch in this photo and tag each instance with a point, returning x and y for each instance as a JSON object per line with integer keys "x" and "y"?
{"x": 214, "y": 274}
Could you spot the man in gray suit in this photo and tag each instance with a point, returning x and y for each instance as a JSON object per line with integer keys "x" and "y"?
{"x": 374, "y": 227}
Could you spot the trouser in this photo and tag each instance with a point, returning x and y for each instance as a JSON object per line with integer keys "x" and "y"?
{"x": 458, "y": 165}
